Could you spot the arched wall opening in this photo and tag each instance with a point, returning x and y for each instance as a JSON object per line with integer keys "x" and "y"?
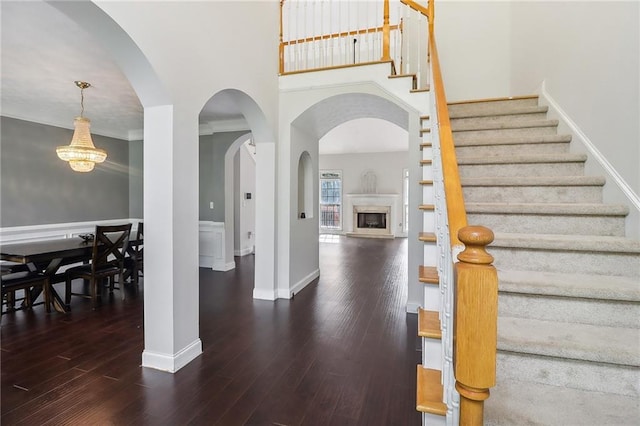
{"x": 301, "y": 265}
{"x": 231, "y": 178}
{"x": 264, "y": 201}
{"x": 306, "y": 205}
{"x": 170, "y": 340}
{"x": 349, "y": 154}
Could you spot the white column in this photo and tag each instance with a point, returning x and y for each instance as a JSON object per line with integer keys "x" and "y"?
{"x": 171, "y": 337}
{"x": 265, "y": 279}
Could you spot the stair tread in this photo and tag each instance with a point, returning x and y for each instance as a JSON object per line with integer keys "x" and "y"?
{"x": 515, "y": 402}
{"x": 423, "y": 89}
{"x": 499, "y": 125}
{"x": 511, "y": 111}
{"x": 578, "y": 341}
{"x": 567, "y": 242}
{"x": 429, "y": 237}
{"x": 402, "y": 75}
{"x": 428, "y": 274}
{"x": 535, "y": 181}
{"x": 514, "y": 140}
{"x": 587, "y": 286}
{"x": 523, "y": 159}
{"x": 429, "y": 324}
{"x": 550, "y": 208}
{"x": 429, "y": 392}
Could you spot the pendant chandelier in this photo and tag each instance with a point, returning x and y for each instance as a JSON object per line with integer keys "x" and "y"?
{"x": 81, "y": 154}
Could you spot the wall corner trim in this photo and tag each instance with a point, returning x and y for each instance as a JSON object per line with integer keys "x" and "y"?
{"x": 172, "y": 363}
{"x": 283, "y": 293}
{"x": 261, "y": 294}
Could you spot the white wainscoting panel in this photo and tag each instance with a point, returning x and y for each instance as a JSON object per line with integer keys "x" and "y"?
{"x": 55, "y": 231}
{"x": 212, "y": 245}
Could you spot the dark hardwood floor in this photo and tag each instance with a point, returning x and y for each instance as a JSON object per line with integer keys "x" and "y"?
{"x": 341, "y": 352}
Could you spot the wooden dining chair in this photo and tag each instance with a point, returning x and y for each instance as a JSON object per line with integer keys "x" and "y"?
{"x": 107, "y": 261}
{"x": 26, "y": 281}
{"x": 134, "y": 263}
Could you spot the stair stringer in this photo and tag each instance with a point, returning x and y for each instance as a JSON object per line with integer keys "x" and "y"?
{"x": 445, "y": 257}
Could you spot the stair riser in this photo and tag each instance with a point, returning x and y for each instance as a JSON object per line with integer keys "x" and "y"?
{"x": 458, "y": 123}
{"x": 525, "y": 169}
{"x": 473, "y": 135}
{"x": 532, "y": 194}
{"x": 612, "y": 226}
{"x": 499, "y": 107}
{"x": 587, "y": 262}
{"x": 517, "y": 149}
{"x": 566, "y": 309}
{"x": 600, "y": 377}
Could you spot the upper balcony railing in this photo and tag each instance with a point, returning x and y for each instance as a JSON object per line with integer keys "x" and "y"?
{"x": 321, "y": 34}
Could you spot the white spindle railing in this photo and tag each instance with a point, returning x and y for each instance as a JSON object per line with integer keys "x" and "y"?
{"x": 445, "y": 259}
{"x": 319, "y": 34}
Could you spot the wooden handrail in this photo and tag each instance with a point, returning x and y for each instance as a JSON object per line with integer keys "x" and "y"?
{"x": 456, "y": 212}
{"x": 338, "y": 35}
{"x": 418, "y": 7}
{"x": 476, "y": 323}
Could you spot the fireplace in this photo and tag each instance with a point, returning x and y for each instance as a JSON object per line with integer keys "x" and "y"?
{"x": 371, "y": 221}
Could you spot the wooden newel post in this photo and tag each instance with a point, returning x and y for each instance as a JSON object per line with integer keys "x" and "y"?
{"x": 476, "y": 323}
{"x": 281, "y": 45}
{"x": 386, "y": 33}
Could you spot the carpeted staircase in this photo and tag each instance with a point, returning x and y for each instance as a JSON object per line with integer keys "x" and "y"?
{"x": 569, "y": 302}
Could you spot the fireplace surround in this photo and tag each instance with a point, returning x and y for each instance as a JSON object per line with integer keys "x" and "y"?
{"x": 385, "y": 203}
{"x": 371, "y": 221}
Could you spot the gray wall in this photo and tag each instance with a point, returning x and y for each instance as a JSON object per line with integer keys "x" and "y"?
{"x": 211, "y": 162}
{"x": 38, "y": 188}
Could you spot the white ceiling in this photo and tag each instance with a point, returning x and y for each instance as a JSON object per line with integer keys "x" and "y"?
{"x": 44, "y": 52}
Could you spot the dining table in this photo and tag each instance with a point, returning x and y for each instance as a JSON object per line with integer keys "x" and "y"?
{"x": 48, "y": 256}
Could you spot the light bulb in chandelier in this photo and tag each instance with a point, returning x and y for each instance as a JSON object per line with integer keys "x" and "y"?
{"x": 81, "y": 153}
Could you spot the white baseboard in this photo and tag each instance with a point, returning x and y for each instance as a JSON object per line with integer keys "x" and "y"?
{"x": 224, "y": 267}
{"x": 589, "y": 145}
{"x": 245, "y": 251}
{"x": 172, "y": 363}
{"x": 264, "y": 294}
{"x": 296, "y": 288}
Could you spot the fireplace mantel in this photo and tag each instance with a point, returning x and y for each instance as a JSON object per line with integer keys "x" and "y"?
{"x": 393, "y": 201}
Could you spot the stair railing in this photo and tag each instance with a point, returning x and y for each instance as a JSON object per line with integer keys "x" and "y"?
{"x": 469, "y": 288}
{"x": 324, "y": 34}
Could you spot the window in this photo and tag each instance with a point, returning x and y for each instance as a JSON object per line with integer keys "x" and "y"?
{"x": 330, "y": 200}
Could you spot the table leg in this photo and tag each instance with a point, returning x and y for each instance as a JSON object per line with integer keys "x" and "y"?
{"x": 50, "y": 270}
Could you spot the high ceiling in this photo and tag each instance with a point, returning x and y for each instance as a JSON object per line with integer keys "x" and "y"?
{"x": 44, "y": 52}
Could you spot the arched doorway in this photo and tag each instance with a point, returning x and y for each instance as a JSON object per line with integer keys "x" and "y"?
{"x": 248, "y": 115}
{"x": 300, "y": 240}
